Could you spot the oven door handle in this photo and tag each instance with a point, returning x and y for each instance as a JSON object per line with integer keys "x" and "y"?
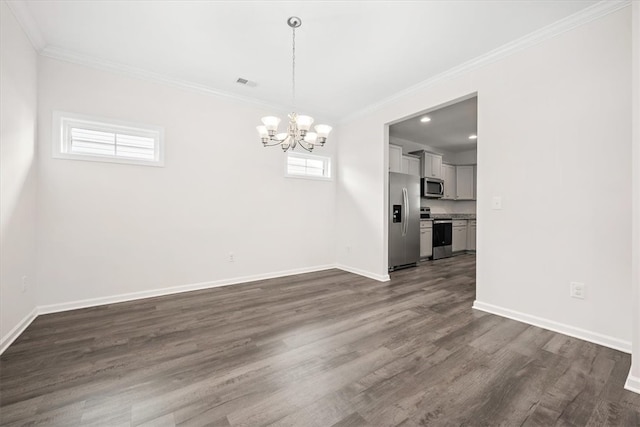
{"x": 405, "y": 201}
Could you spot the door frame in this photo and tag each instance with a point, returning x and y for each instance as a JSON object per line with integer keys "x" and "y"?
{"x": 386, "y": 165}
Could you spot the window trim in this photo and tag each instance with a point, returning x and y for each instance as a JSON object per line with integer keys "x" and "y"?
{"x": 60, "y": 141}
{"x": 326, "y": 159}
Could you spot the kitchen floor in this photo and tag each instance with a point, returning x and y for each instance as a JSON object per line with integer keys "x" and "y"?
{"x": 318, "y": 349}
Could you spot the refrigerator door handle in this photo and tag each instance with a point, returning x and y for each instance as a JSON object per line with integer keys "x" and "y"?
{"x": 405, "y": 196}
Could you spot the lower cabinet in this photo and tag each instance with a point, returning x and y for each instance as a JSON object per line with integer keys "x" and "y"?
{"x": 459, "y": 238}
{"x": 471, "y": 236}
{"x": 426, "y": 239}
{"x": 463, "y": 237}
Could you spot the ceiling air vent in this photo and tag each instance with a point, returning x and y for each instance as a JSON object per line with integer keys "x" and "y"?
{"x": 245, "y": 82}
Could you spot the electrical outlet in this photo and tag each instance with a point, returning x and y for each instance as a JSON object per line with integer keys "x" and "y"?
{"x": 232, "y": 257}
{"x": 25, "y": 283}
{"x": 348, "y": 249}
{"x": 577, "y": 290}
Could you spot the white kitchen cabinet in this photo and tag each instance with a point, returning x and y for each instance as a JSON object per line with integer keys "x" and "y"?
{"x": 471, "y": 235}
{"x": 449, "y": 176}
{"x": 465, "y": 182}
{"x": 414, "y": 166}
{"x": 395, "y": 158}
{"x": 426, "y": 239}
{"x": 459, "y": 238}
{"x": 432, "y": 165}
{"x": 411, "y": 165}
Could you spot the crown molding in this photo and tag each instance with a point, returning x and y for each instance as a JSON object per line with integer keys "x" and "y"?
{"x": 126, "y": 70}
{"x": 23, "y": 15}
{"x": 582, "y": 17}
{"x": 20, "y": 10}
{"x": 118, "y": 68}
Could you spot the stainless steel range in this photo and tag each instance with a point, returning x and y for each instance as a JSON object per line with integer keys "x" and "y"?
{"x": 442, "y": 238}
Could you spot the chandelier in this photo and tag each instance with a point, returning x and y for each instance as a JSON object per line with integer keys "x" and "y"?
{"x": 297, "y": 133}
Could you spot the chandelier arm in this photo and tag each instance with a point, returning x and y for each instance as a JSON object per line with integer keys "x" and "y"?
{"x": 302, "y": 144}
{"x": 274, "y": 144}
{"x": 275, "y": 141}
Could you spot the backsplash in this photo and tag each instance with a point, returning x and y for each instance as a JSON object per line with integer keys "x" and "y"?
{"x": 449, "y": 206}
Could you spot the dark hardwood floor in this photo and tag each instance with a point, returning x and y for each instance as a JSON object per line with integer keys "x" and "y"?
{"x": 319, "y": 349}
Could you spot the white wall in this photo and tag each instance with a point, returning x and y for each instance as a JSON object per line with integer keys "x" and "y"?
{"x": 360, "y": 211}
{"x": 554, "y": 132}
{"x": 18, "y": 85}
{"x": 108, "y": 229}
{"x": 633, "y": 382}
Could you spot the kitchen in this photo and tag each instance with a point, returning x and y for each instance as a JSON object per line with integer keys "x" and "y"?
{"x": 432, "y": 185}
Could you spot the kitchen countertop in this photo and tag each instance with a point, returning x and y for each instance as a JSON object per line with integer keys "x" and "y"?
{"x": 452, "y": 216}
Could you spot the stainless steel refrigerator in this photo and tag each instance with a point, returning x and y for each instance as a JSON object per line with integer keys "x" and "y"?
{"x": 404, "y": 220}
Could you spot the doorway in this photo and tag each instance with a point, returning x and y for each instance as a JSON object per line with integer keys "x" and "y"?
{"x": 439, "y": 146}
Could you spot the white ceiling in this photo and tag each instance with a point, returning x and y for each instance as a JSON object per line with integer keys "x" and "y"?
{"x": 449, "y": 128}
{"x": 350, "y": 54}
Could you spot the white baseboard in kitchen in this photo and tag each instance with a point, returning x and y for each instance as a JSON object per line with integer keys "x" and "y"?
{"x": 17, "y": 330}
{"x": 572, "y": 331}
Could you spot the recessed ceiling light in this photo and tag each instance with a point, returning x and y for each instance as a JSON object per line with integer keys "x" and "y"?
{"x": 425, "y": 119}
{"x": 473, "y": 136}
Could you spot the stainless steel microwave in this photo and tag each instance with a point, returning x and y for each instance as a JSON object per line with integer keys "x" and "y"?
{"x": 432, "y": 188}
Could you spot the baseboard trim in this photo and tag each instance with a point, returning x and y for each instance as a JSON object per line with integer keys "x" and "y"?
{"x": 113, "y": 299}
{"x": 633, "y": 383}
{"x": 374, "y": 276}
{"x": 12, "y": 335}
{"x": 17, "y": 330}
{"x": 572, "y": 331}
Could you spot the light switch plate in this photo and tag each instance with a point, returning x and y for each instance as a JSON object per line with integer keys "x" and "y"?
{"x": 496, "y": 203}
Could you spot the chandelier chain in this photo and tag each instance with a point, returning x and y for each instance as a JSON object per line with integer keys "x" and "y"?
{"x": 293, "y": 71}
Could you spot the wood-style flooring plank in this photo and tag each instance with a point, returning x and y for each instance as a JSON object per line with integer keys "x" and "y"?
{"x": 327, "y": 348}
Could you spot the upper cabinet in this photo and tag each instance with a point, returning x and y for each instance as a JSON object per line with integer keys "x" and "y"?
{"x": 402, "y": 163}
{"x": 432, "y": 165}
{"x": 395, "y": 158}
{"x": 465, "y": 182}
{"x": 411, "y": 165}
{"x": 459, "y": 182}
{"x": 449, "y": 177}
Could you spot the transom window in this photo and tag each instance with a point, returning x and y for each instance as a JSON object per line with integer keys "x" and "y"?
{"x": 89, "y": 138}
{"x": 302, "y": 165}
